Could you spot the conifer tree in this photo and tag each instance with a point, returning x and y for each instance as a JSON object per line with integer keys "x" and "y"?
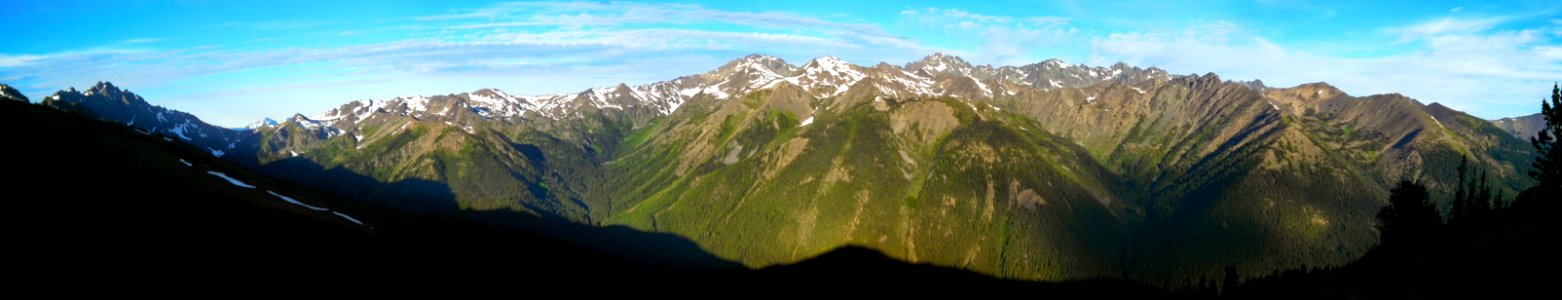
{"x": 1546, "y": 166}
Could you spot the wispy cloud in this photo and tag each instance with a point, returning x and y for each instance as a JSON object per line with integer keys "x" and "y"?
{"x": 569, "y": 17}
{"x": 585, "y": 42}
{"x": 280, "y": 24}
{"x": 1466, "y": 62}
{"x": 141, "y": 41}
{"x": 1444, "y": 27}
{"x": 1478, "y": 62}
{"x": 1000, "y": 39}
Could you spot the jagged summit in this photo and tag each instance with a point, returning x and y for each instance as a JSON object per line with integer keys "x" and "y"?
{"x": 822, "y": 77}
{"x": 105, "y": 87}
{"x": 940, "y": 63}
{"x": 108, "y": 102}
{"x": 9, "y": 93}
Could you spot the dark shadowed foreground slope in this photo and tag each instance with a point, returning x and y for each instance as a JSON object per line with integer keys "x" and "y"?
{"x": 98, "y": 202}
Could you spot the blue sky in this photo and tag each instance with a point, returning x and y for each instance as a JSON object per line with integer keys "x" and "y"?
{"x": 234, "y": 62}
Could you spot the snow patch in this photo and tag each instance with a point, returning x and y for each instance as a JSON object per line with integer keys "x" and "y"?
{"x": 809, "y": 120}
{"x": 715, "y": 90}
{"x": 348, "y": 218}
{"x": 830, "y": 72}
{"x": 230, "y": 179}
{"x": 295, "y": 202}
{"x": 179, "y": 130}
{"x": 186, "y": 163}
{"x": 982, "y": 86}
{"x": 416, "y": 104}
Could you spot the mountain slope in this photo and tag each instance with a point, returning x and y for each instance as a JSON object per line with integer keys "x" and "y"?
{"x": 117, "y": 197}
{"x": 1523, "y": 127}
{"x": 146, "y": 208}
{"x": 1393, "y": 137}
{"x": 755, "y": 182}
{"x": 1211, "y": 162}
{"x": 107, "y": 102}
{"x": 1042, "y": 171}
{"x": 9, "y": 93}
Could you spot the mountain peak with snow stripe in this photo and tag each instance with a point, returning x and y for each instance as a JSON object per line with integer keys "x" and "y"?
{"x": 822, "y": 77}
{"x": 108, "y": 102}
{"x": 940, "y": 63}
{"x": 7, "y": 92}
{"x": 263, "y": 123}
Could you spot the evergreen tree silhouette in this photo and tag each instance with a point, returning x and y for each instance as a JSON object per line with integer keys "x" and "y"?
{"x": 1481, "y": 205}
{"x": 1499, "y": 201}
{"x": 1461, "y": 203}
{"x": 1546, "y": 166}
{"x": 1410, "y": 218}
{"x": 1230, "y": 281}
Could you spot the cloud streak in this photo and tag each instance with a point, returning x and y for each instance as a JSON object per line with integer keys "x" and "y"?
{"x": 507, "y": 40}
{"x": 1482, "y": 63}
{"x": 1466, "y": 63}
{"x": 999, "y": 39}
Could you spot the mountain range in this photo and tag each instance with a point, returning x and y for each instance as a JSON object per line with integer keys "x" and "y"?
{"x": 1044, "y": 171}
{"x": 1524, "y": 127}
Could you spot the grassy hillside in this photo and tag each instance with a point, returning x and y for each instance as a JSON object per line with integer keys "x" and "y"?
{"x": 754, "y": 184}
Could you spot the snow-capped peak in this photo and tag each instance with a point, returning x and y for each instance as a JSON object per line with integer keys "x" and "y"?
{"x": 263, "y": 123}
{"x": 940, "y": 63}
{"x": 822, "y": 77}
{"x": 758, "y": 59}
{"x": 827, "y": 76}
{"x": 496, "y": 103}
{"x": 831, "y": 62}
{"x": 1056, "y": 63}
